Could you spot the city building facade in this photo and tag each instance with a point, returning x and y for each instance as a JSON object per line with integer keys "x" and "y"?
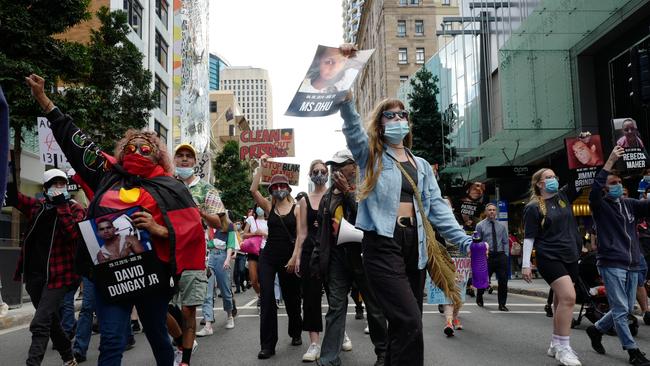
{"x": 351, "y": 17}
{"x": 217, "y": 63}
{"x": 252, "y": 89}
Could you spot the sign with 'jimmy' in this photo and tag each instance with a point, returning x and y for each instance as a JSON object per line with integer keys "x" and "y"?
{"x": 271, "y": 168}
{"x": 125, "y": 264}
{"x": 274, "y": 143}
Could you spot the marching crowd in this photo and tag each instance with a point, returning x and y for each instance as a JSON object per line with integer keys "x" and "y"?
{"x": 295, "y": 245}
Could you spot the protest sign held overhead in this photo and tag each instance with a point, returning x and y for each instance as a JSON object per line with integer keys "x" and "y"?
{"x": 585, "y": 156}
{"x": 626, "y": 135}
{"x": 327, "y": 82}
{"x": 50, "y": 151}
{"x": 274, "y": 143}
{"x": 271, "y": 168}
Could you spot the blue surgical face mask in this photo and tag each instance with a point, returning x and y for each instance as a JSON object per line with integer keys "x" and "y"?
{"x": 53, "y": 192}
{"x": 615, "y": 190}
{"x": 259, "y": 211}
{"x": 184, "y": 173}
{"x": 551, "y": 185}
{"x": 395, "y": 132}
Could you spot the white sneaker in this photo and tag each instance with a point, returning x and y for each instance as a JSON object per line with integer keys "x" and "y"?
{"x": 347, "y": 343}
{"x": 206, "y": 331}
{"x": 178, "y": 356}
{"x": 4, "y": 309}
{"x": 566, "y": 356}
{"x": 312, "y": 354}
{"x": 195, "y": 345}
{"x": 552, "y": 350}
{"x": 366, "y": 330}
{"x": 230, "y": 322}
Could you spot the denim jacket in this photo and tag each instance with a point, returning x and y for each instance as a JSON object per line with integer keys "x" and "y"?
{"x": 378, "y": 211}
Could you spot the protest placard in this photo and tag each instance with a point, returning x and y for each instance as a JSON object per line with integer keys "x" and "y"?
{"x": 584, "y": 156}
{"x": 50, "y": 151}
{"x": 274, "y": 143}
{"x": 635, "y": 156}
{"x": 463, "y": 271}
{"x": 270, "y": 168}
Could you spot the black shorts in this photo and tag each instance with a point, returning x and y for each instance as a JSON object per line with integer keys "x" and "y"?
{"x": 253, "y": 257}
{"x": 552, "y": 269}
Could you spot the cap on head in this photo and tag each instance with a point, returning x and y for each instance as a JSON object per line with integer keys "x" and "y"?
{"x": 279, "y": 179}
{"x": 49, "y": 175}
{"x": 341, "y": 157}
{"x": 185, "y": 146}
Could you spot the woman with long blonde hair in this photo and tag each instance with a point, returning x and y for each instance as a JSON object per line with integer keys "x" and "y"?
{"x": 399, "y": 200}
{"x": 551, "y": 227}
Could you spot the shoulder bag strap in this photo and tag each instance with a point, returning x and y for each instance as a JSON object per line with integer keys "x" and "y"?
{"x": 293, "y": 239}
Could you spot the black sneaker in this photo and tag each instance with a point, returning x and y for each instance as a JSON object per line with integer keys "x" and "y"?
{"x": 359, "y": 314}
{"x": 135, "y": 326}
{"x": 637, "y": 358}
{"x": 296, "y": 341}
{"x": 549, "y": 310}
{"x": 479, "y": 299}
{"x": 596, "y": 339}
{"x": 646, "y": 318}
{"x": 490, "y": 290}
{"x": 130, "y": 343}
{"x": 79, "y": 358}
{"x": 381, "y": 358}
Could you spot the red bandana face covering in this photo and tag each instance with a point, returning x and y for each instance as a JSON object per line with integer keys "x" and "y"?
{"x": 137, "y": 164}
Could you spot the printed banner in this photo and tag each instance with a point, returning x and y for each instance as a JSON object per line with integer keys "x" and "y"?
{"x": 327, "y": 82}
{"x": 585, "y": 157}
{"x": 635, "y": 157}
{"x": 463, "y": 272}
{"x": 50, "y": 151}
{"x": 11, "y": 193}
{"x": 270, "y": 168}
{"x": 125, "y": 265}
{"x": 274, "y": 143}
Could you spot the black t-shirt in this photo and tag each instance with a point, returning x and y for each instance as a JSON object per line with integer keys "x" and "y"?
{"x": 558, "y": 238}
{"x": 38, "y": 244}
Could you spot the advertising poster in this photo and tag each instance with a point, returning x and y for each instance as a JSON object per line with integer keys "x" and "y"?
{"x": 124, "y": 263}
{"x": 327, "y": 82}
{"x": 626, "y": 135}
{"x": 270, "y": 168}
{"x": 274, "y": 143}
{"x": 463, "y": 273}
{"x": 584, "y": 157}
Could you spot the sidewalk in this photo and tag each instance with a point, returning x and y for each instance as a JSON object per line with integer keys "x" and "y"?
{"x": 23, "y": 315}
{"x": 538, "y": 288}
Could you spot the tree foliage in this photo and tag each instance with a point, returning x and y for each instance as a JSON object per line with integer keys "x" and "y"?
{"x": 430, "y": 132}
{"x": 232, "y": 179}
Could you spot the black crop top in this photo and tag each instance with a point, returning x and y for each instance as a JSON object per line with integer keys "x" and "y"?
{"x": 406, "y": 195}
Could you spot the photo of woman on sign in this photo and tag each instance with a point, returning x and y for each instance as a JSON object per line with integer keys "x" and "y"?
{"x": 630, "y": 136}
{"x": 330, "y": 72}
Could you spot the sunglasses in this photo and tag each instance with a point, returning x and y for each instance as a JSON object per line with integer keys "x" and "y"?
{"x": 391, "y": 115}
{"x": 316, "y": 171}
{"x": 145, "y": 149}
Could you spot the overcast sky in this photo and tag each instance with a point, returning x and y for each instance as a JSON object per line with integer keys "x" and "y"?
{"x": 281, "y": 37}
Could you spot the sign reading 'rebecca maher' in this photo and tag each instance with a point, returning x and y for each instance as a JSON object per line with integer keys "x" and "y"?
{"x": 274, "y": 143}
{"x": 271, "y": 168}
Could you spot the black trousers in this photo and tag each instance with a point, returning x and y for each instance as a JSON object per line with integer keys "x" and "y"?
{"x": 312, "y": 288}
{"x": 267, "y": 268}
{"x": 46, "y": 323}
{"x": 391, "y": 266}
{"x": 498, "y": 263}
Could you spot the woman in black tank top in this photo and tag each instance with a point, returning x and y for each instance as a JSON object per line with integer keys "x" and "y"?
{"x": 278, "y": 257}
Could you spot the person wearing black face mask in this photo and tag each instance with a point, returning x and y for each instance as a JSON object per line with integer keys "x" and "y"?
{"x": 280, "y": 256}
{"x": 618, "y": 255}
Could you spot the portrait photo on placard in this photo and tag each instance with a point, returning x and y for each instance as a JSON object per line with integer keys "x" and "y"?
{"x": 584, "y": 151}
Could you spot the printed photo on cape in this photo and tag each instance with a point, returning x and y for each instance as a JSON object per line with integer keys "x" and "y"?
{"x": 114, "y": 236}
{"x": 327, "y": 82}
{"x": 626, "y": 135}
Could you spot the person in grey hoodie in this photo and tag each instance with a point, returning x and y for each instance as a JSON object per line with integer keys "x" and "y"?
{"x": 618, "y": 255}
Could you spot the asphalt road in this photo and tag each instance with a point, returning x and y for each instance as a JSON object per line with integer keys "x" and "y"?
{"x": 490, "y": 337}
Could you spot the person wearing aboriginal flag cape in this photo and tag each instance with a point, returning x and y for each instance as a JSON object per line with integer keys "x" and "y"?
{"x": 139, "y": 174}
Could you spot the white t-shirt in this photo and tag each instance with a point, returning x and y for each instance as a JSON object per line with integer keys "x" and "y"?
{"x": 255, "y": 224}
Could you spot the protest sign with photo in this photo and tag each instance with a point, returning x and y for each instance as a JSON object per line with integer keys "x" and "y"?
{"x": 469, "y": 208}
{"x": 11, "y": 193}
{"x": 463, "y": 272}
{"x": 635, "y": 156}
{"x": 585, "y": 157}
{"x": 124, "y": 263}
{"x": 274, "y": 143}
{"x": 50, "y": 151}
{"x": 327, "y": 82}
{"x": 271, "y": 168}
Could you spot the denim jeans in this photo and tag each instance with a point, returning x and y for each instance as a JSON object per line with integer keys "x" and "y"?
{"x": 239, "y": 272}
{"x": 68, "y": 322}
{"x": 621, "y": 294}
{"x": 221, "y": 278}
{"x": 115, "y": 322}
{"x": 85, "y": 321}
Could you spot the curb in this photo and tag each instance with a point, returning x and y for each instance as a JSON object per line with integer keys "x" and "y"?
{"x": 22, "y": 318}
{"x": 528, "y": 292}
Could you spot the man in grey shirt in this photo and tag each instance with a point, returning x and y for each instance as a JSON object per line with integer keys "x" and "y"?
{"x": 496, "y": 235}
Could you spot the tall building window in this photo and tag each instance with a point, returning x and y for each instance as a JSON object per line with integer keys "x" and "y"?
{"x": 419, "y": 27}
{"x": 160, "y": 130}
{"x": 401, "y": 28}
{"x": 231, "y": 130}
{"x": 161, "y": 50}
{"x": 446, "y": 2}
{"x": 133, "y": 10}
{"x": 402, "y": 56}
{"x": 403, "y": 2}
{"x": 161, "y": 89}
{"x": 419, "y": 55}
{"x": 415, "y": 2}
{"x": 403, "y": 79}
{"x": 213, "y": 107}
{"x": 162, "y": 9}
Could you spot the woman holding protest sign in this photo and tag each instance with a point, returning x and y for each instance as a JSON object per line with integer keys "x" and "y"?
{"x": 399, "y": 241}
{"x": 139, "y": 174}
{"x": 281, "y": 256}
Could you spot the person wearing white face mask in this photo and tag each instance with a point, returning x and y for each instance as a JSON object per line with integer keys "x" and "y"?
{"x": 618, "y": 255}
{"x": 47, "y": 260}
{"x": 551, "y": 228}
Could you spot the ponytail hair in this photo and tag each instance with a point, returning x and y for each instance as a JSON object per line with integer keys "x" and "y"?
{"x": 536, "y": 194}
